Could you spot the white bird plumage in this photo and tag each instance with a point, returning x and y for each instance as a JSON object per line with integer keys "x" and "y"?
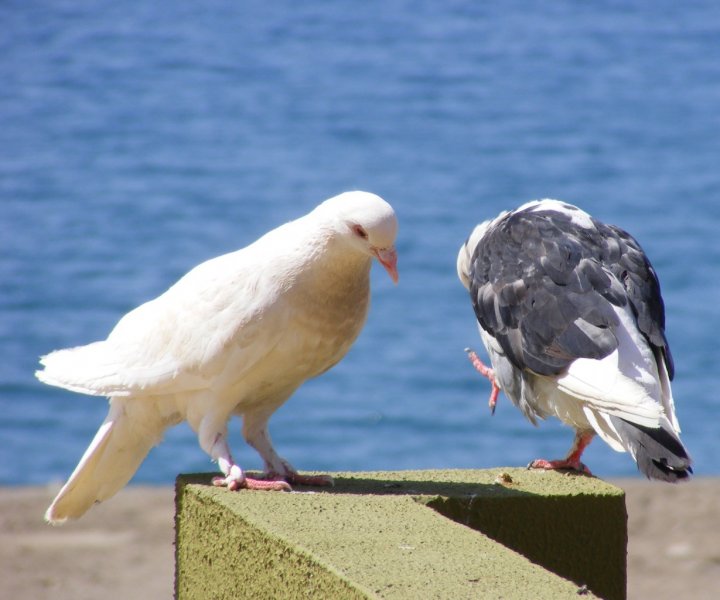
{"x": 237, "y": 335}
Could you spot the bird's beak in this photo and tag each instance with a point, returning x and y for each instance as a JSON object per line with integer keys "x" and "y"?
{"x": 387, "y": 257}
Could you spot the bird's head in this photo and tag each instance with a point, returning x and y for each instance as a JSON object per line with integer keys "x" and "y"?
{"x": 367, "y": 223}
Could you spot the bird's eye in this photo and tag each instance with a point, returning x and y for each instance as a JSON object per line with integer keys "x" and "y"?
{"x": 360, "y": 231}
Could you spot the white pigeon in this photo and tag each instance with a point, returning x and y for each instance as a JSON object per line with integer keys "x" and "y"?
{"x": 570, "y": 312}
{"x": 237, "y": 335}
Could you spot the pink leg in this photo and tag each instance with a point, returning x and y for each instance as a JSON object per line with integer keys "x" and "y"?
{"x": 572, "y": 460}
{"x": 234, "y": 478}
{"x": 277, "y": 469}
{"x": 485, "y": 371}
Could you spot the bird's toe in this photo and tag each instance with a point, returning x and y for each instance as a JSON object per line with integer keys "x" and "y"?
{"x": 278, "y": 485}
{"x": 559, "y": 465}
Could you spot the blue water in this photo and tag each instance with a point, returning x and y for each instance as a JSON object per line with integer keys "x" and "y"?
{"x": 139, "y": 139}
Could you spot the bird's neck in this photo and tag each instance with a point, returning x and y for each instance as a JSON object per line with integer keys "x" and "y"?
{"x": 339, "y": 265}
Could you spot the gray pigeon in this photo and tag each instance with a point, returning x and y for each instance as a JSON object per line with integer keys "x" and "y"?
{"x": 570, "y": 312}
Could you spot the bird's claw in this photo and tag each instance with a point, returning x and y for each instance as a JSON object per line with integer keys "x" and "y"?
{"x": 556, "y": 465}
{"x": 229, "y": 482}
{"x": 487, "y": 372}
{"x": 233, "y": 484}
{"x": 237, "y": 480}
{"x": 278, "y": 485}
{"x": 492, "y": 403}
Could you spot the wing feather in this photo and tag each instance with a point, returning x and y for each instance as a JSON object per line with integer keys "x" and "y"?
{"x": 568, "y": 297}
{"x": 557, "y": 282}
{"x": 179, "y": 341}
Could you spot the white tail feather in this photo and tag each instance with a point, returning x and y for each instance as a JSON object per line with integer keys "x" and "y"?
{"x": 611, "y": 392}
{"x": 108, "y": 464}
{"x": 90, "y": 369}
{"x": 604, "y": 428}
{"x": 625, "y": 383}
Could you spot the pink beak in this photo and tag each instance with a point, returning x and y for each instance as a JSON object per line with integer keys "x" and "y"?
{"x": 387, "y": 257}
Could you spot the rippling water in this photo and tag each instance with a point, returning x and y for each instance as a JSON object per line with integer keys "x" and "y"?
{"x": 138, "y": 140}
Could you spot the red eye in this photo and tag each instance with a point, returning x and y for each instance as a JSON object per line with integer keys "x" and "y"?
{"x": 360, "y": 231}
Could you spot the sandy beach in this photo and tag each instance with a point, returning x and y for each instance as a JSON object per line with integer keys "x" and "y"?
{"x": 124, "y": 548}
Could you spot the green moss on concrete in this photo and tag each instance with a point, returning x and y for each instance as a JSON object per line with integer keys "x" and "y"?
{"x": 221, "y": 555}
{"x": 373, "y": 536}
{"x": 574, "y": 526}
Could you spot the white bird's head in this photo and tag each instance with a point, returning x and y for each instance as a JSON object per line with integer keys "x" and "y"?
{"x": 368, "y": 223}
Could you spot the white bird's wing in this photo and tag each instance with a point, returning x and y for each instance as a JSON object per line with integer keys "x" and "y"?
{"x": 626, "y": 383}
{"x": 178, "y": 341}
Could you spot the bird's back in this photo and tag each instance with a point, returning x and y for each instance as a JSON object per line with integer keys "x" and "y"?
{"x": 558, "y": 293}
{"x": 229, "y": 318}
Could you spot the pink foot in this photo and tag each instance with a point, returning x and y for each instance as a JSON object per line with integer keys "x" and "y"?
{"x": 572, "y": 460}
{"x": 554, "y": 465}
{"x": 263, "y": 484}
{"x": 234, "y": 484}
{"x": 485, "y": 371}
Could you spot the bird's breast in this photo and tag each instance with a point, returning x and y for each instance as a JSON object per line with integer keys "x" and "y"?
{"x": 327, "y": 320}
{"x": 320, "y": 322}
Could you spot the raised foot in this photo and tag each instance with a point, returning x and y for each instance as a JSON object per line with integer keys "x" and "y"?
{"x": 556, "y": 465}
{"x": 487, "y": 372}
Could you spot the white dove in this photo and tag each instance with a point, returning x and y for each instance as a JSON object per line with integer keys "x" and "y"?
{"x": 237, "y": 335}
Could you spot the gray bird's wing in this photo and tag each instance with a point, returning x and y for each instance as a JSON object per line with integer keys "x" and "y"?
{"x": 545, "y": 285}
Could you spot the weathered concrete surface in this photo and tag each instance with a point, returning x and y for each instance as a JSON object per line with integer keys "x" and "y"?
{"x": 373, "y": 536}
